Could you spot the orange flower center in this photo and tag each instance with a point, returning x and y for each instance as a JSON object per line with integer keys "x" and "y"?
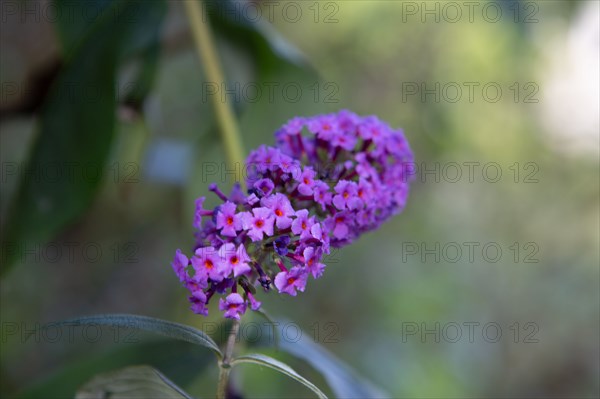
{"x": 278, "y": 212}
{"x": 259, "y": 223}
{"x": 208, "y": 264}
{"x": 291, "y": 280}
{"x": 229, "y": 220}
{"x": 234, "y": 260}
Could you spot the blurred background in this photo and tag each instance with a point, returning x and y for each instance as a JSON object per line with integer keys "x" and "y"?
{"x": 487, "y": 285}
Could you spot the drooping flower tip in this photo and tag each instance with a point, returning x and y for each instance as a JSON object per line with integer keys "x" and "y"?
{"x": 179, "y": 264}
{"x": 233, "y": 306}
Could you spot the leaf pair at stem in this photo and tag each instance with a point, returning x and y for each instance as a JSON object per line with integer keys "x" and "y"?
{"x": 145, "y": 379}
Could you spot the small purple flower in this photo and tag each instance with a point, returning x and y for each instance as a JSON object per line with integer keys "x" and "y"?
{"x": 302, "y": 224}
{"x": 281, "y": 245}
{"x": 344, "y": 140}
{"x": 364, "y": 191}
{"x": 258, "y": 222}
{"x": 322, "y": 196}
{"x": 348, "y": 121}
{"x": 401, "y": 195}
{"x": 198, "y": 301}
{"x": 324, "y": 126}
{"x": 200, "y": 212}
{"x": 210, "y": 234}
{"x": 233, "y": 306}
{"x": 364, "y": 167}
{"x": 180, "y": 263}
{"x": 193, "y": 286}
{"x": 264, "y": 186}
{"x": 252, "y": 199}
{"x": 207, "y": 263}
{"x": 364, "y": 218}
{"x": 312, "y": 261}
{"x": 266, "y": 158}
{"x": 307, "y": 181}
{"x": 294, "y": 126}
{"x": 339, "y": 225}
{"x": 291, "y": 280}
{"x": 280, "y": 205}
{"x": 372, "y": 129}
{"x": 346, "y": 195}
{"x": 222, "y": 286}
{"x": 236, "y": 259}
{"x": 254, "y": 304}
{"x": 322, "y": 235}
{"x": 289, "y": 165}
{"x": 228, "y": 220}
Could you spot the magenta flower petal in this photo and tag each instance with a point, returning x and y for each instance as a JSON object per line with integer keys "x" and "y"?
{"x": 281, "y": 209}
{"x": 228, "y": 220}
{"x": 207, "y": 264}
{"x": 291, "y": 281}
{"x": 180, "y": 263}
{"x": 233, "y": 306}
{"x": 312, "y": 261}
{"x": 254, "y": 304}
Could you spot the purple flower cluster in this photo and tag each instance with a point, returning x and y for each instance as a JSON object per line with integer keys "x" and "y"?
{"x": 330, "y": 179}
{"x": 356, "y": 172}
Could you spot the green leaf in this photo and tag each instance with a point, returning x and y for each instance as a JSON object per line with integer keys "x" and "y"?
{"x": 271, "y": 51}
{"x": 137, "y": 20}
{"x": 131, "y": 382}
{"x": 145, "y": 77}
{"x": 172, "y": 357}
{"x": 82, "y": 17}
{"x": 162, "y": 327}
{"x": 343, "y": 381}
{"x": 77, "y": 124}
{"x": 283, "y": 368}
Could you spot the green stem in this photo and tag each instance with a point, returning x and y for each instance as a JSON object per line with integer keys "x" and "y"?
{"x": 203, "y": 39}
{"x": 225, "y": 366}
{"x": 209, "y": 58}
{"x": 223, "y": 381}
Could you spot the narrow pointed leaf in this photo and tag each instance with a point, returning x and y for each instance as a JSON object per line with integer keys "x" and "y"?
{"x": 283, "y": 368}
{"x": 149, "y": 324}
{"x": 343, "y": 381}
{"x": 131, "y": 382}
{"x": 77, "y": 121}
{"x": 270, "y": 50}
{"x": 172, "y": 356}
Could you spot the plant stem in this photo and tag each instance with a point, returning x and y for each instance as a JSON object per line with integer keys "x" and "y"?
{"x": 231, "y": 138}
{"x": 225, "y": 367}
{"x": 208, "y": 56}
